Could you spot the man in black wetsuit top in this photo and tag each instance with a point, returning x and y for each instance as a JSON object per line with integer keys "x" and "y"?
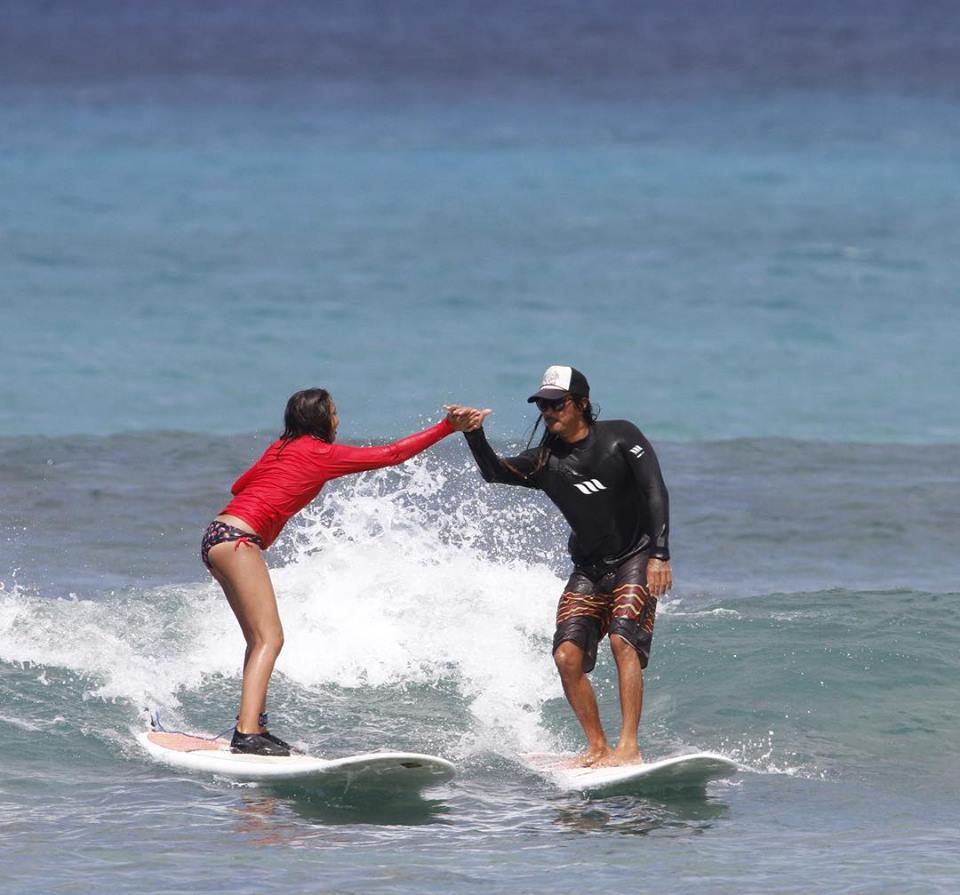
{"x": 605, "y": 479}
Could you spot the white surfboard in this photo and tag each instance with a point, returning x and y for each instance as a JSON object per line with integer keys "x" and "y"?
{"x": 679, "y": 772}
{"x": 400, "y": 772}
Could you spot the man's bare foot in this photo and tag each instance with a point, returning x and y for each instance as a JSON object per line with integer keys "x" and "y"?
{"x": 616, "y": 758}
{"x": 590, "y": 758}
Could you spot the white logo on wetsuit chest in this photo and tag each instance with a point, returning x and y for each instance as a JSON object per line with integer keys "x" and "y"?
{"x": 636, "y": 450}
{"x": 590, "y": 486}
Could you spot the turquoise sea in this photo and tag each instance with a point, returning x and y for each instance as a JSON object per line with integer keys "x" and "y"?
{"x": 739, "y": 220}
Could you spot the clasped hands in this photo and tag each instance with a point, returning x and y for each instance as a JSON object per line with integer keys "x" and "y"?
{"x": 465, "y": 419}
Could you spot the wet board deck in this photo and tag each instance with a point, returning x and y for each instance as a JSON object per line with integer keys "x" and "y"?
{"x": 397, "y": 771}
{"x": 680, "y": 772}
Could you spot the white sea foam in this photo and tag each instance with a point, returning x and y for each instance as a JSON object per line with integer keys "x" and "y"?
{"x": 672, "y": 608}
{"x": 29, "y": 726}
{"x": 120, "y": 644}
{"x": 382, "y": 590}
{"x": 378, "y": 589}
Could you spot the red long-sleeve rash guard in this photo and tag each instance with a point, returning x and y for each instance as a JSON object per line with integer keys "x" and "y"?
{"x": 290, "y": 474}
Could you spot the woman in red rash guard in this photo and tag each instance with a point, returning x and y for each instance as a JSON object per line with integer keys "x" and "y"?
{"x": 282, "y": 482}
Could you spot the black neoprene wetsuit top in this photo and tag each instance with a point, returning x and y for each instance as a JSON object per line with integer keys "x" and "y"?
{"x": 608, "y": 487}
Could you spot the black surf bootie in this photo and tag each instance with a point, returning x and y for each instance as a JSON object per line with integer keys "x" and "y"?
{"x": 283, "y": 744}
{"x": 264, "y": 718}
{"x": 258, "y": 744}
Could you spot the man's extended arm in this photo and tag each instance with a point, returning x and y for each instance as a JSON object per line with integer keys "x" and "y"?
{"x": 505, "y": 471}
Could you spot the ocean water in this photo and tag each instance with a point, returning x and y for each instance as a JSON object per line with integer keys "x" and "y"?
{"x": 738, "y": 220}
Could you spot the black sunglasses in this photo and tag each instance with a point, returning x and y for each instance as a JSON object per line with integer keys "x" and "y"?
{"x": 552, "y": 403}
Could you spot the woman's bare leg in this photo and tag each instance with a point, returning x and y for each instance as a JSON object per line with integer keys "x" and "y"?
{"x": 245, "y": 579}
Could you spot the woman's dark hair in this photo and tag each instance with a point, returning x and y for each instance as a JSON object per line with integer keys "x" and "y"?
{"x": 308, "y": 413}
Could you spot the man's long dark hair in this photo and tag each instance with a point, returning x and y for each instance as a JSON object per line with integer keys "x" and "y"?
{"x": 549, "y": 441}
{"x": 308, "y": 413}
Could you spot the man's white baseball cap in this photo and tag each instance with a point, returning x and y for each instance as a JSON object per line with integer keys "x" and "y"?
{"x": 559, "y": 381}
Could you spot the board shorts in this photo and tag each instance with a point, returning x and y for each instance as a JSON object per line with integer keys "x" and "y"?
{"x": 599, "y": 600}
{"x": 221, "y": 533}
